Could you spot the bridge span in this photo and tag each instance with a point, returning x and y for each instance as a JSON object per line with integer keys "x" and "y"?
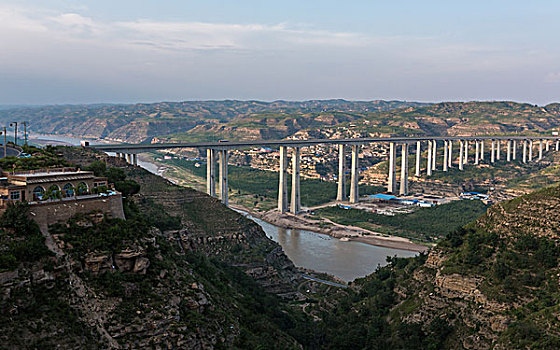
{"x": 218, "y": 151}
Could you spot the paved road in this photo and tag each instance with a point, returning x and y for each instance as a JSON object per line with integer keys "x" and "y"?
{"x": 334, "y": 284}
{"x": 10, "y": 151}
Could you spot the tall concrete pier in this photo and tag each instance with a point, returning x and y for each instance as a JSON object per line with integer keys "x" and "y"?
{"x": 476, "y": 152}
{"x": 341, "y": 193}
{"x": 224, "y": 176}
{"x": 493, "y": 152}
{"x": 445, "y": 155}
{"x": 418, "y": 158}
{"x": 466, "y": 154}
{"x": 530, "y": 150}
{"x": 403, "y": 190}
{"x": 429, "y": 165}
{"x": 461, "y": 151}
{"x": 434, "y": 153}
{"x": 540, "y": 149}
{"x": 524, "y": 151}
{"x": 498, "y": 142}
{"x": 450, "y": 156}
{"x": 392, "y": 180}
{"x": 481, "y": 150}
{"x": 283, "y": 183}
{"x": 295, "y": 205}
{"x": 508, "y": 152}
{"x": 355, "y": 176}
{"x": 210, "y": 172}
{"x": 514, "y": 154}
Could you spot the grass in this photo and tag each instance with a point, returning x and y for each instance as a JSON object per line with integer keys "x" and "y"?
{"x": 421, "y": 225}
{"x": 256, "y": 185}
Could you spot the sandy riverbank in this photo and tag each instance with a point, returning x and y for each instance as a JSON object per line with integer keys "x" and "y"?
{"x": 350, "y": 233}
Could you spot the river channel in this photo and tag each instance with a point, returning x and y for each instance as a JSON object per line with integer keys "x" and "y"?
{"x": 346, "y": 260}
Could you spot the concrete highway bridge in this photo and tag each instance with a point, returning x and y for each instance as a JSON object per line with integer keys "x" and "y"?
{"x": 218, "y": 152}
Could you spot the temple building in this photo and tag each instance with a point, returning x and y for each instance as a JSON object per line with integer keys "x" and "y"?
{"x": 37, "y": 186}
{"x": 56, "y": 195}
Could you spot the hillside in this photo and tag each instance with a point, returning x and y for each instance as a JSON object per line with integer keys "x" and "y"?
{"x": 213, "y": 120}
{"x": 491, "y": 285}
{"x": 194, "y": 120}
{"x": 181, "y": 271}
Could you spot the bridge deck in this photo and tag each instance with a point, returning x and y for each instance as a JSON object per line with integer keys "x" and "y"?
{"x": 303, "y": 143}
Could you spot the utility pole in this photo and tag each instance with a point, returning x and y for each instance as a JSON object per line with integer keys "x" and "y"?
{"x": 25, "y": 132}
{"x": 15, "y": 131}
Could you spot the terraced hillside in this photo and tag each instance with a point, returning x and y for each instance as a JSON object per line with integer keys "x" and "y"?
{"x": 196, "y": 120}
{"x": 214, "y": 120}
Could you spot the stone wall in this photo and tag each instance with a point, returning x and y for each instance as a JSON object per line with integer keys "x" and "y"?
{"x": 48, "y": 213}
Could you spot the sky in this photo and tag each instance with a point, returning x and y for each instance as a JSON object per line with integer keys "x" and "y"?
{"x": 128, "y": 51}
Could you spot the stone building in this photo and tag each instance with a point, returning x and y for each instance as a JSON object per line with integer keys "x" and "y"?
{"x": 55, "y": 195}
{"x": 37, "y": 186}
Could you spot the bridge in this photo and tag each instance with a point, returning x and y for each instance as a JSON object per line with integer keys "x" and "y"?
{"x": 218, "y": 151}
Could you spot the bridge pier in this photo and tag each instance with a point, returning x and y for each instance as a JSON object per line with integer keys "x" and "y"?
{"x": 224, "y": 176}
{"x": 524, "y": 151}
{"x": 341, "y": 193}
{"x": 514, "y": 154}
{"x": 403, "y": 190}
{"x": 493, "y": 152}
{"x": 354, "y": 178}
{"x": 547, "y": 146}
{"x": 557, "y": 145}
{"x": 445, "y": 154}
{"x": 540, "y": 149}
{"x": 211, "y": 172}
{"x": 508, "y": 153}
{"x": 134, "y": 159}
{"x": 476, "y": 152}
{"x": 429, "y": 165}
{"x": 434, "y": 153}
{"x": 498, "y": 148}
{"x": 461, "y": 150}
{"x": 283, "y": 181}
{"x": 392, "y": 181}
{"x": 466, "y": 154}
{"x": 530, "y": 150}
{"x": 418, "y": 158}
{"x": 295, "y": 205}
{"x": 450, "y": 156}
{"x": 481, "y": 150}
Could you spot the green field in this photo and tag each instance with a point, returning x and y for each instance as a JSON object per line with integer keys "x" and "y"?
{"x": 264, "y": 184}
{"x": 421, "y": 225}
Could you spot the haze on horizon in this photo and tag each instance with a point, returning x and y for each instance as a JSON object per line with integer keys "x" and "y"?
{"x": 68, "y": 51}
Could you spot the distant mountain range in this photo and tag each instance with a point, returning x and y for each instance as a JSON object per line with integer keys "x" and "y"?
{"x": 213, "y": 120}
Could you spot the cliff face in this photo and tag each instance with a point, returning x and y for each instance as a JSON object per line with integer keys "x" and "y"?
{"x": 491, "y": 285}
{"x": 110, "y": 283}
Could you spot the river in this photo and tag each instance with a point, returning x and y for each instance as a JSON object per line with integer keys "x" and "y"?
{"x": 346, "y": 260}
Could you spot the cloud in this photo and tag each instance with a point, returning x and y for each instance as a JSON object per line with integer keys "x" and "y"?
{"x": 166, "y": 35}
{"x": 63, "y": 54}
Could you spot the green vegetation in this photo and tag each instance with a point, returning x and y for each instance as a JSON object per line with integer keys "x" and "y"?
{"x": 422, "y": 225}
{"x": 261, "y": 183}
{"x": 47, "y": 157}
{"x": 20, "y": 238}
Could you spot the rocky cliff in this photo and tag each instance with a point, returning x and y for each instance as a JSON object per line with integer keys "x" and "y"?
{"x": 182, "y": 271}
{"x": 491, "y": 285}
